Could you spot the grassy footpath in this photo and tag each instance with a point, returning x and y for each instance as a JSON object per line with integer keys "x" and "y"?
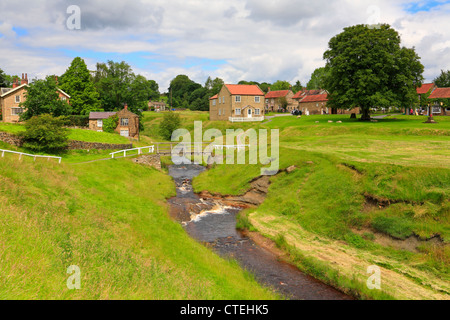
{"x": 110, "y": 219}
{"x": 362, "y": 195}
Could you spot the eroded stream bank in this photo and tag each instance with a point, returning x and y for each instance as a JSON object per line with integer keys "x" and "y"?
{"x": 213, "y": 222}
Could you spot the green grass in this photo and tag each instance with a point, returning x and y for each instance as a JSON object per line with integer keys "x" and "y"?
{"x": 75, "y": 134}
{"x": 110, "y": 219}
{"x": 403, "y": 162}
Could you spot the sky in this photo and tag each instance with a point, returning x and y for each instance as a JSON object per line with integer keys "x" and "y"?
{"x": 253, "y": 40}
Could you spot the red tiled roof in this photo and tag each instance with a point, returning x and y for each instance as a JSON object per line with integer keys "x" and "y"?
{"x": 303, "y": 93}
{"x": 425, "y": 88}
{"x": 315, "y": 98}
{"x": 214, "y": 97}
{"x": 440, "y": 93}
{"x": 277, "y": 94}
{"x": 244, "y": 90}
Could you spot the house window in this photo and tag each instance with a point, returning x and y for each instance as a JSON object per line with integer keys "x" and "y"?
{"x": 214, "y": 102}
{"x": 257, "y": 99}
{"x": 257, "y": 112}
{"x": 100, "y": 123}
{"x": 125, "y": 133}
{"x": 220, "y": 112}
{"x": 238, "y": 112}
{"x": 267, "y": 101}
{"x": 63, "y": 98}
{"x": 16, "y": 111}
{"x": 124, "y": 122}
{"x": 436, "y": 109}
{"x": 17, "y": 99}
{"x": 238, "y": 99}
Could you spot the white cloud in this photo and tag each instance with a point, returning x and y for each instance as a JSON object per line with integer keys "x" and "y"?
{"x": 252, "y": 40}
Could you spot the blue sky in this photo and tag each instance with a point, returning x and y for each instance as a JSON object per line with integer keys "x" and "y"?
{"x": 260, "y": 40}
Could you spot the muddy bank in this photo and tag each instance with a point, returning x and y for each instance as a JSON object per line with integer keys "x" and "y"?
{"x": 211, "y": 220}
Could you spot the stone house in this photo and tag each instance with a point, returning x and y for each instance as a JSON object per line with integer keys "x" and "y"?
{"x": 437, "y": 107}
{"x": 274, "y": 100}
{"x": 158, "y": 106}
{"x": 238, "y": 103}
{"x": 128, "y": 122}
{"x": 11, "y": 98}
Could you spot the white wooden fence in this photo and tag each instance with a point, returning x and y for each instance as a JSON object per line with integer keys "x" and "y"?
{"x": 254, "y": 119}
{"x": 28, "y": 155}
{"x": 151, "y": 149}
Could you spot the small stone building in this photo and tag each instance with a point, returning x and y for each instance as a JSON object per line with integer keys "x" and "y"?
{"x": 128, "y": 122}
{"x": 274, "y": 100}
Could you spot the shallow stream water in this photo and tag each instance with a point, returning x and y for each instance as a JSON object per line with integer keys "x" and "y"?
{"x": 215, "y": 226}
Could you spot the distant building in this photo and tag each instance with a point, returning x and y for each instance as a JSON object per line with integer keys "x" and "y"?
{"x": 437, "y": 106}
{"x": 244, "y": 103}
{"x": 274, "y": 100}
{"x": 128, "y": 122}
{"x": 158, "y": 106}
{"x": 11, "y": 98}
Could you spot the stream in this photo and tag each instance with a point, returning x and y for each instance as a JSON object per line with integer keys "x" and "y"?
{"x": 214, "y": 225}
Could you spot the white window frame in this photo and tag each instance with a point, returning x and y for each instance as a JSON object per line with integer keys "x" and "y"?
{"x": 20, "y": 111}
{"x": 214, "y": 102}
{"x": 436, "y": 110}
{"x": 257, "y": 112}
{"x": 257, "y": 99}
{"x": 237, "y": 111}
{"x": 17, "y": 99}
{"x": 220, "y": 112}
{"x": 122, "y": 133}
{"x": 238, "y": 99}
{"x": 100, "y": 123}
{"x": 124, "y": 122}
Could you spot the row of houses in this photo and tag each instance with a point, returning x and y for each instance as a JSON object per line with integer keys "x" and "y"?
{"x": 11, "y": 110}
{"x": 250, "y": 103}
{"x": 432, "y": 93}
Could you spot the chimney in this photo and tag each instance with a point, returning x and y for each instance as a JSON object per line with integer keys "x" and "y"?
{"x": 15, "y": 83}
{"x": 268, "y": 90}
{"x": 56, "y": 79}
{"x": 126, "y": 106}
{"x": 23, "y": 79}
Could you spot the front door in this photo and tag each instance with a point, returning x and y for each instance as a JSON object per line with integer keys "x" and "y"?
{"x": 250, "y": 114}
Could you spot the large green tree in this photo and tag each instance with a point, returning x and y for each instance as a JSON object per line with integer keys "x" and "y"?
{"x": 6, "y": 81}
{"x": 443, "y": 80}
{"x": 76, "y": 82}
{"x": 318, "y": 79}
{"x": 280, "y": 85}
{"x": 181, "y": 88}
{"x": 214, "y": 86}
{"x": 369, "y": 68}
{"x": 42, "y": 97}
{"x": 118, "y": 85}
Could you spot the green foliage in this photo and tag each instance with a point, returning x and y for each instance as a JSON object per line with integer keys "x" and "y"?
{"x": 169, "y": 124}
{"x": 118, "y": 85}
{"x": 110, "y": 124}
{"x": 45, "y": 133}
{"x": 318, "y": 79}
{"x": 280, "y": 85}
{"x": 297, "y": 87}
{"x": 214, "y": 86}
{"x": 42, "y": 97}
{"x": 77, "y": 120}
{"x": 443, "y": 80}
{"x": 77, "y": 83}
{"x": 369, "y": 68}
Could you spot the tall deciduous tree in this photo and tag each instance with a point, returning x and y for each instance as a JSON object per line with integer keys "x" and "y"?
{"x": 76, "y": 82}
{"x": 318, "y": 79}
{"x": 443, "y": 80}
{"x": 42, "y": 97}
{"x": 369, "y": 68}
{"x": 280, "y": 85}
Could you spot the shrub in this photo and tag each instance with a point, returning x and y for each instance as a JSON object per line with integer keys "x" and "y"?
{"x": 110, "y": 124}
{"x": 169, "y": 124}
{"x": 45, "y": 133}
{"x": 77, "y": 121}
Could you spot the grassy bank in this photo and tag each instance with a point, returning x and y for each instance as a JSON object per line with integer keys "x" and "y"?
{"x": 110, "y": 219}
{"x": 363, "y": 194}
